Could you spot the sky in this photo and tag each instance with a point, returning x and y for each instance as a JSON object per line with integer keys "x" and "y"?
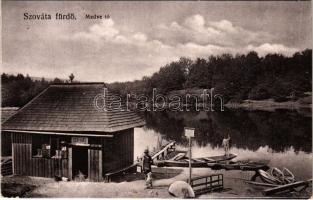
{"x": 141, "y": 37}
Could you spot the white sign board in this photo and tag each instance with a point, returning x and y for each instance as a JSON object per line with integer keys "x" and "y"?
{"x": 139, "y": 169}
{"x": 79, "y": 140}
{"x": 189, "y": 132}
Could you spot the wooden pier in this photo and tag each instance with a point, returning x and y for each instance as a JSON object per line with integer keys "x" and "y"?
{"x": 287, "y": 187}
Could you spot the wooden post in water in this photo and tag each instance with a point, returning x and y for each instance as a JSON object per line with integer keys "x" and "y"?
{"x": 189, "y": 160}
{"x": 189, "y": 133}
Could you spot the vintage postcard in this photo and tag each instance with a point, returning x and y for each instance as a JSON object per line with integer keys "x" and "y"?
{"x": 156, "y": 99}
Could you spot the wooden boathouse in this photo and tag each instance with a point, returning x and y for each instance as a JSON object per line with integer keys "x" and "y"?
{"x": 72, "y": 129}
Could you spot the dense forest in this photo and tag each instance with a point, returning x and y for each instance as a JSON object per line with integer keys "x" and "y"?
{"x": 235, "y": 77}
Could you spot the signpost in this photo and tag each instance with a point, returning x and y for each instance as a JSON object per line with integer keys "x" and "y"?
{"x": 189, "y": 133}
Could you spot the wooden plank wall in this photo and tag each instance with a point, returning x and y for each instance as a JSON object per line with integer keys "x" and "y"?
{"x": 108, "y": 155}
{"x": 118, "y": 152}
{"x": 127, "y": 152}
{"x": 6, "y": 144}
{"x": 25, "y": 164}
{"x": 115, "y": 153}
{"x": 94, "y": 171}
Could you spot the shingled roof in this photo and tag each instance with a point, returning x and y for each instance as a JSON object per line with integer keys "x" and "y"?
{"x": 71, "y": 108}
{"x": 7, "y": 112}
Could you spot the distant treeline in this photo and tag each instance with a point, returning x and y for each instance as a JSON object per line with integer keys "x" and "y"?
{"x": 17, "y": 90}
{"x": 235, "y": 77}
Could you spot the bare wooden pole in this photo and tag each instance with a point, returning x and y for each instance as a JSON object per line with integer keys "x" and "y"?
{"x": 189, "y": 160}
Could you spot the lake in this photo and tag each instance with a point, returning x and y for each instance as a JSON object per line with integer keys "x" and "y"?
{"x": 283, "y": 137}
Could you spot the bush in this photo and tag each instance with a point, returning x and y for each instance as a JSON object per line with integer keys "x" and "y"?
{"x": 259, "y": 93}
{"x": 280, "y": 98}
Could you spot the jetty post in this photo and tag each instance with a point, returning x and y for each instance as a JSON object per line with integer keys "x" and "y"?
{"x": 189, "y": 133}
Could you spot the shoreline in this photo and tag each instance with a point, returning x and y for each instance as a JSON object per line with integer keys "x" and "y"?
{"x": 269, "y": 105}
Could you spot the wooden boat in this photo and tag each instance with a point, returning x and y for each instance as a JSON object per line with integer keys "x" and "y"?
{"x": 285, "y": 176}
{"x": 244, "y": 165}
{"x": 288, "y": 176}
{"x": 181, "y": 160}
{"x": 268, "y": 178}
{"x": 276, "y": 176}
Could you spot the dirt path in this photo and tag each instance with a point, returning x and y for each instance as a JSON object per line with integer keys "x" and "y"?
{"x": 234, "y": 187}
{"x": 46, "y": 187}
{"x": 133, "y": 189}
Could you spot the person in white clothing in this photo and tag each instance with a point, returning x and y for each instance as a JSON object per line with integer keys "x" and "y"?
{"x": 225, "y": 144}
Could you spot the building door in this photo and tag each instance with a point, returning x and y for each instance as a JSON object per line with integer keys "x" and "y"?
{"x": 80, "y": 162}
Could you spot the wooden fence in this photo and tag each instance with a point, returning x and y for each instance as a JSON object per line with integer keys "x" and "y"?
{"x": 206, "y": 184}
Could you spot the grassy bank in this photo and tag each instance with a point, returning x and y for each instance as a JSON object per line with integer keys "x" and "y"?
{"x": 304, "y": 103}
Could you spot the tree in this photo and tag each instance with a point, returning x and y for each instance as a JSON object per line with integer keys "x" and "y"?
{"x": 57, "y": 80}
{"x": 199, "y": 76}
{"x": 170, "y": 77}
{"x": 71, "y": 76}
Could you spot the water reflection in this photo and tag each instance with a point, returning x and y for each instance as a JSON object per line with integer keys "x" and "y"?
{"x": 282, "y": 137}
{"x": 280, "y": 130}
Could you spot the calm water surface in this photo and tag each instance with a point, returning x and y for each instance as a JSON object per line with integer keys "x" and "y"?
{"x": 283, "y": 137}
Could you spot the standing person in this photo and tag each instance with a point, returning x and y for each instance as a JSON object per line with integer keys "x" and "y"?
{"x": 225, "y": 144}
{"x": 147, "y": 162}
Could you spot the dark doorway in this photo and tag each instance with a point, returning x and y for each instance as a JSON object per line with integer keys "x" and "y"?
{"x": 80, "y": 162}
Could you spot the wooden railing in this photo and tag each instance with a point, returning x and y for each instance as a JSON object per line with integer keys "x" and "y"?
{"x": 163, "y": 152}
{"x": 206, "y": 184}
